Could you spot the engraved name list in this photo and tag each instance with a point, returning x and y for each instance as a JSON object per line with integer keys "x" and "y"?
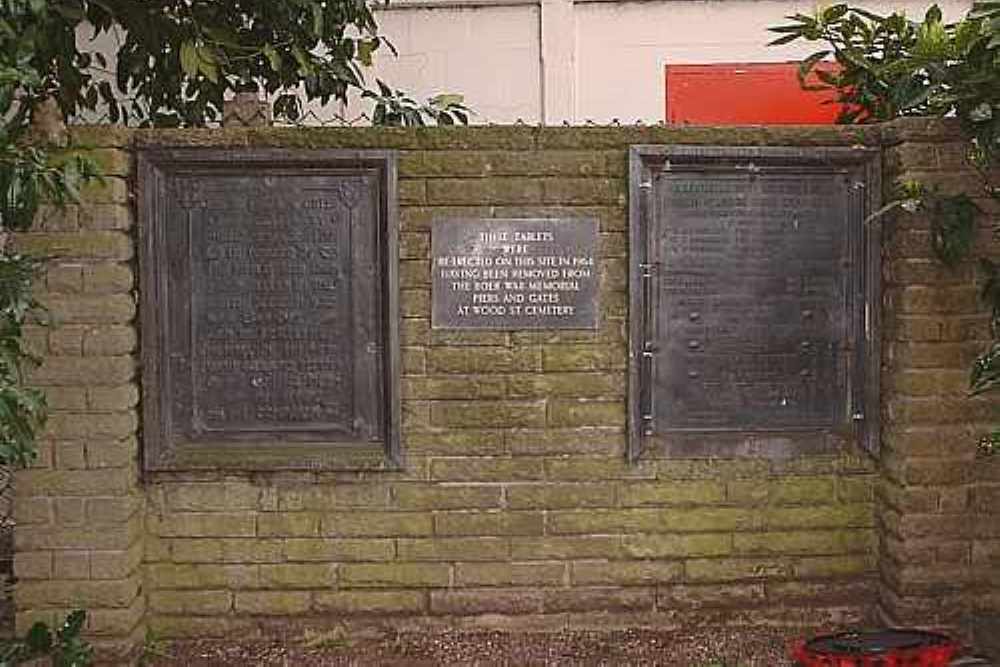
{"x": 271, "y": 340}
{"x": 752, "y": 291}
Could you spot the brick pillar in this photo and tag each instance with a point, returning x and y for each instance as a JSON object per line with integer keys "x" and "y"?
{"x": 932, "y": 535}
{"x": 78, "y": 510}
{"x": 986, "y": 557}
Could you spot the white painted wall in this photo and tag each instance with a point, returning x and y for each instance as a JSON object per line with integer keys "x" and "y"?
{"x": 494, "y": 51}
{"x": 556, "y": 61}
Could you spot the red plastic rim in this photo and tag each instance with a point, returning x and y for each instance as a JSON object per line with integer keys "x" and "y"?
{"x": 885, "y": 648}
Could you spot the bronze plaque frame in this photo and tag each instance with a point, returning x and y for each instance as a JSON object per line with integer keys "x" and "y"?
{"x": 662, "y": 231}
{"x": 331, "y": 399}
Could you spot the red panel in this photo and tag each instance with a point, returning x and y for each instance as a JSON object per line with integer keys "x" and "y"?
{"x": 742, "y": 94}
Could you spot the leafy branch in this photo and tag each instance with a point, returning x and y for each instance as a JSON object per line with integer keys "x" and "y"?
{"x": 29, "y": 174}
{"x": 179, "y": 59}
{"x": 395, "y": 108}
{"x": 890, "y": 66}
{"x": 65, "y": 645}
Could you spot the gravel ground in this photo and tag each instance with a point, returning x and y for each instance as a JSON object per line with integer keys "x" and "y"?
{"x": 722, "y": 647}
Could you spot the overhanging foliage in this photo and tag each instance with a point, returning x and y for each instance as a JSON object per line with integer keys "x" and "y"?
{"x": 890, "y": 66}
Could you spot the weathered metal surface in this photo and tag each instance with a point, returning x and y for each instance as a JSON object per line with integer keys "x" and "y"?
{"x": 751, "y": 320}
{"x": 272, "y": 321}
{"x": 749, "y": 284}
{"x": 514, "y": 274}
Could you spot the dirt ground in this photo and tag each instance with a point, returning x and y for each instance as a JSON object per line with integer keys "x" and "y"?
{"x": 695, "y": 647}
{"x": 721, "y": 647}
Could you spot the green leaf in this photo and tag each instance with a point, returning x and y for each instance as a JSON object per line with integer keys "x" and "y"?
{"x": 953, "y": 225}
{"x": 447, "y": 99}
{"x": 985, "y": 374}
{"x": 981, "y": 10}
{"x": 366, "y": 49}
{"x": 317, "y": 19}
{"x": 785, "y": 39}
{"x": 39, "y": 638}
{"x": 208, "y": 63}
{"x": 273, "y": 57}
{"x": 807, "y": 65}
{"x": 834, "y": 13}
{"x": 69, "y": 11}
{"x": 797, "y": 29}
{"x": 73, "y": 624}
{"x": 305, "y": 66}
{"x": 189, "y": 59}
{"x": 222, "y": 35}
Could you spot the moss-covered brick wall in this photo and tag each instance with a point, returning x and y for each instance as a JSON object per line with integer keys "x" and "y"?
{"x": 516, "y": 504}
{"x": 938, "y": 504}
{"x": 80, "y": 509}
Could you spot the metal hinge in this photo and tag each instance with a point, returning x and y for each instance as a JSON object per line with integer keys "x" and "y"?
{"x": 647, "y": 424}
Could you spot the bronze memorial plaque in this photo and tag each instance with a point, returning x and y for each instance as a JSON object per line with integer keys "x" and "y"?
{"x": 752, "y": 287}
{"x": 264, "y": 287}
{"x": 752, "y": 303}
{"x": 514, "y": 274}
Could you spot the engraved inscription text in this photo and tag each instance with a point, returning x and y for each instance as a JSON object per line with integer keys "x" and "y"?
{"x": 271, "y": 316}
{"x": 752, "y": 289}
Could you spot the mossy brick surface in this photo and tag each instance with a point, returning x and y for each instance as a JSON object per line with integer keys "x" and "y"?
{"x": 701, "y": 492}
{"x": 370, "y": 603}
{"x": 575, "y": 385}
{"x": 611, "y": 598}
{"x": 196, "y": 603}
{"x": 394, "y": 575}
{"x": 292, "y": 524}
{"x": 489, "y": 523}
{"x": 675, "y": 546}
{"x": 471, "y": 603}
{"x": 338, "y": 550}
{"x": 376, "y": 524}
{"x": 515, "y": 496}
{"x": 486, "y": 469}
{"x": 284, "y": 576}
{"x": 562, "y": 496}
{"x": 510, "y": 574}
{"x": 450, "y": 549}
{"x": 272, "y": 603}
{"x": 626, "y": 573}
{"x": 422, "y": 497}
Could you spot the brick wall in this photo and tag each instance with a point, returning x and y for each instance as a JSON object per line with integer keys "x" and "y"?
{"x": 79, "y": 510}
{"x": 515, "y": 504}
{"x": 938, "y": 509}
